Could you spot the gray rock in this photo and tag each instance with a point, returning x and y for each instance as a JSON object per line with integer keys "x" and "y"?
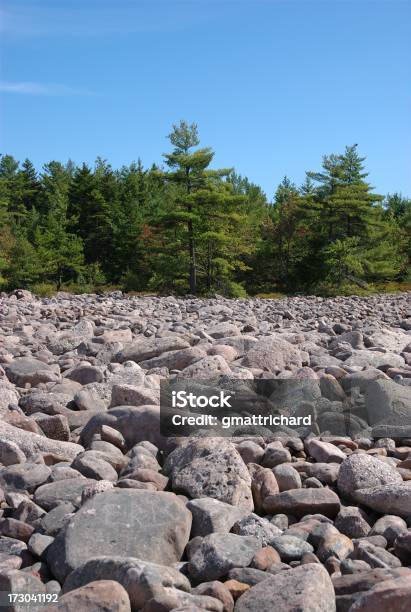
{"x": 300, "y": 502}
{"x": 362, "y": 471}
{"x": 32, "y": 371}
{"x": 210, "y": 468}
{"x": 254, "y": 525}
{"x": 387, "y": 499}
{"x": 213, "y": 516}
{"x": 50, "y": 495}
{"x": 93, "y": 465}
{"x": 141, "y": 579}
{"x": 31, "y": 444}
{"x": 290, "y": 548}
{"x": 390, "y": 527}
{"x": 352, "y": 522}
{"x": 10, "y": 453}
{"x": 152, "y": 526}
{"x": 217, "y": 553}
{"x": 384, "y": 399}
{"x": 287, "y": 477}
{"x": 307, "y": 588}
{"x": 26, "y": 477}
{"x": 272, "y": 354}
{"x": 147, "y": 349}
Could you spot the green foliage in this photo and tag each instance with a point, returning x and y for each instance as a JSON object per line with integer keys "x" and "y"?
{"x": 190, "y": 228}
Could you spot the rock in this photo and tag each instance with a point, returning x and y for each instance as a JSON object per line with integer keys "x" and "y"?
{"x": 248, "y": 575}
{"x": 275, "y": 454}
{"x": 38, "y": 544}
{"x": 152, "y": 526}
{"x": 210, "y": 468}
{"x": 272, "y": 354}
{"x": 18, "y": 581}
{"x": 136, "y": 424}
{"x": 141, "y": 579}
{"x": 307, "y": 588}
{"x": 390, "y": 527}
{"x": 376, "y": 359}
{"x": 387, "y": 596}
{"x": 333, "y": 544}
{"x": 254, "y": 525}
{"x": 94, "y": 396}
{"x": 132, "y": 395}
{"x": 265, "y": 558}
{"x": 174, "y": 599}
{"x": 361, "y": 471}
{"x": 217, "y": 590}
{"x": 85, "y": 374}
{"x": 324, "y": 451}
{"x": 26, "y": 476}
{"x": 31, "y": 371}
{"x": 32, "y": 444}
{"x": 12, "y": 528}
{"x": 387, "y": 499}
{"x": 263, "y": 483}
{"x": 375, "y": 556}
{"x": 213, "y": 516}
{"x": 350, "y": 587}
{"x": 352, "y": 522}
{"x": 94, "y": 597}
{"x": 402, "y": 546}
{"x": 147, "y": 349}
{"x": 10, "y": 453}
{"x": 217, "y": 553}
{"x": 92, "y": 465}
{"x": 300, "y": 502}
{"x": 287, "y": 477}
{"x": 111, "y": 435}
{"x": 250, "y": 451}
{"x": 290, "y": 548}
{"x": 8, "y": 395}
{"x": 95, "y": 488}
{"x": 50, "y": 495}
{"x": 385, "y": 398}
{"x": 176, "y": 360}
{"x": 55, "y": 519}
{"x": 208, "y": 367}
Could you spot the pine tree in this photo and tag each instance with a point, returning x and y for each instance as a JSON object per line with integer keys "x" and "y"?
{"x": 208, "y": 210}
{"x": 348, "y": 215}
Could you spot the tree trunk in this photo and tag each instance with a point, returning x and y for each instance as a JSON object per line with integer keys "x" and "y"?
{"x": 192, "y": 254}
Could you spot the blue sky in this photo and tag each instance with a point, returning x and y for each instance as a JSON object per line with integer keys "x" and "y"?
{"x": 272, "y": 84}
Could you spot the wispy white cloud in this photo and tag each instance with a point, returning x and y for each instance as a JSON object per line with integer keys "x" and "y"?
{"x": 41, "y": 89}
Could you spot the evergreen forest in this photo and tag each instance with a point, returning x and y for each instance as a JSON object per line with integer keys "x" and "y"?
{"x": 188, "y": 228}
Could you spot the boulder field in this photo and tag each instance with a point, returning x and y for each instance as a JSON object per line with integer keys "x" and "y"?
{"x": 101, "y": 512}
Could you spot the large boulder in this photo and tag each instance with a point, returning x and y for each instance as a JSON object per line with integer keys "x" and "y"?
{"x": 362, "y": 471}
{"x": 52, "y": 494}
{"x": 135, "y": 423}
{"x": 307, "y": 588}
{"x": 392, "y": 498}
{"x": 210, "y": 467}
{"x": 29, "y": 370}
{"x": 273, "y": 354}
{"x": 31, "y": 444}
{"x": 385, "y": 399}
{"x": 96, "y": 596}
{"x": 141, "y": 579}
{"x": 150, "y": 525}
{"x": 217, "y": 553}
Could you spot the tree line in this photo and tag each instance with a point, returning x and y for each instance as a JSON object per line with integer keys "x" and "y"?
{"x": 187, "y": 228}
